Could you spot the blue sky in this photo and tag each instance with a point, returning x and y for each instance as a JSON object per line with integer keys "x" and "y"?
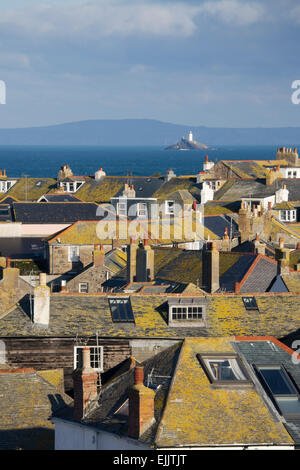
{"x": 221, "y": 63}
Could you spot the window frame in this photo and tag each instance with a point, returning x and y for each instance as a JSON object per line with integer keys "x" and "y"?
{"x": 124, "y": 210}
{"x": 94, "y": 346}
{"x": 296, "y": 395}
{"x": 114, "y": 320}
{"x": 215, "y": 383}
{"x": 249, "y": 309}
{"x": 144, "y": 210}
{"x": 80, "y": 286}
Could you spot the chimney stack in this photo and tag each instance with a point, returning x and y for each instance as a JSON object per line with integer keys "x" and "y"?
{"x": 99, "y": 255}
{"x": 244, "y": 222}
{"x": 10, "y": 276}
{"x": 41, "y": 303}
{"x": 63, "y": 286}
{"x": 259, "y": 248}
{"x": 282, "y": 256}
{"x": 141, "y": 406}
{"x": 85, "y": 385}
{"x": 131, "y": 260}
{"x": 144, "y": 262}
{"x": 210, "y": 268}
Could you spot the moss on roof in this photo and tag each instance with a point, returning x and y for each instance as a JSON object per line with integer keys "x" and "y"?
{"x": 176, "y": 184}
{"x": 103, "y": 190}
{"x": 34, "y": 188}
{"x": 206, "y": 416}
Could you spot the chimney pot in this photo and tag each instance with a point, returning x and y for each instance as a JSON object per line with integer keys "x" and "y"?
{"x": 138, "y": 375}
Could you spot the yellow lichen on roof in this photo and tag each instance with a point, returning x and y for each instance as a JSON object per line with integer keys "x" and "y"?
{"x": 292, "y": 281}
{"x": 29, "y": 188}
{"x": 101, "y": 191}
{"x": 198, "y": 415}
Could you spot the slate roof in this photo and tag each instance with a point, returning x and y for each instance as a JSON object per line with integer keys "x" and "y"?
{"x": 31, "y": 189}
{"x": 239, "y": 189}
{"x": 27, "y": 402}
{"x": 54, "y": 212}
{"x": 268, "y": 352}
{"x": 218, "y": 223}
{"x": 144, "y": 187}
{"x": 261, "y": 276}
{"x": 84, "y": 314}
{"x": 60, "y": 197}
{"x": 187, "y": 416}
{"x": 21, "y": 247}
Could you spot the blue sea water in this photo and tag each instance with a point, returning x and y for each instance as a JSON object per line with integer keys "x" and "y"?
{"x": 43, "y": 161}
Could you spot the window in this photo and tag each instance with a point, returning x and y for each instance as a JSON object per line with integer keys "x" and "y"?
{"x": 170, "y": 205}
{"x": 71, "y": 187}
{"x": 187, "y": 313}
{"x": 122, "y": 208}
{"x": 96, "y": 355}
{"x": 121, "y": 310}
{"x": 224, "y": 369}
{"x": 250, "y": 303}
{"x": 83, "y": 287}
{"x": 281, "y": 388}
{"x": 142, "y": 209}
{"x": 6, "y": 185}
{"x": 73, "y": 254}
{"x": 287, "y": 215}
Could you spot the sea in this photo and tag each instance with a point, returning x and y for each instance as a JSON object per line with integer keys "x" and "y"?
{"x": 45, "y": 161}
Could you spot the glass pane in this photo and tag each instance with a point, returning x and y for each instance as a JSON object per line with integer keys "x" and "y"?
{"x": 222, "y": 370}
{"x": 289, "y": 405}
{"x": 277, "y": 381}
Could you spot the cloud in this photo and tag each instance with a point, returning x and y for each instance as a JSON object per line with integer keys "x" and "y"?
{"x": 14, "y": 60}
{"x": 234, "y": 11}
{"x": 105, "y": 18}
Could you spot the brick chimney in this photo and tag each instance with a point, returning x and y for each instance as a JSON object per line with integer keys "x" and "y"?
{"x": 226, "y": 240}
{"x": 41, "y": 303}
{"x": 210, "y": 268}
{"x": 141, "y": 406}
{"x": 144, "y": 262}
{"x": 131, "y": 260}
{"x": 85, "y": 385}
{"x": 99, "y": 255}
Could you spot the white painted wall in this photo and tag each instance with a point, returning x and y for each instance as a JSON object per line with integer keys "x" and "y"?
{"x": 75, "y": 436}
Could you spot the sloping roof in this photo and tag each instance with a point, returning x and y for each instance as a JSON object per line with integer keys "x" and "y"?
{"x": 260, "y": 276}
{"x": 269, "y": 353}
{"x": 60, "y": 197}
{"x": 31, "y": 189}
{"x": 54, "y": 212}
{"x": 199, "y": 415}
{"x": 292, "y": 281}
{"x": 144, "y": 187}
{"x": 186, "y": 416}
{"x": 218, "y": 223}
{"x": 178, "y": 183}
{"x": 84, "y": 314}
{"x": 27, "y": 402}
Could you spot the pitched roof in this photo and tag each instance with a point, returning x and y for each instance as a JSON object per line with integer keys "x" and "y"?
{"x": 187, "y": 416}
{"x": 27, "y": 402}
{"x": 270, "y": 352}
{"x": 84, "y": 314}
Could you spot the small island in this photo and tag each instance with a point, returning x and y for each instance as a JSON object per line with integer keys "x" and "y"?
{"x": 187, "y": 144}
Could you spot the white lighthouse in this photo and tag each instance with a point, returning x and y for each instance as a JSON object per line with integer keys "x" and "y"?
{"x": 190, "y": 136}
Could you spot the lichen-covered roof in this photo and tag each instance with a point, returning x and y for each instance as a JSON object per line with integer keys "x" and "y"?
{"x": 27, "y": 402}
{"x": 176, "y": 184}
{"x": 197, "y": 414}
{"x": 84, "y": 314}
{"x": 31, "y": 189}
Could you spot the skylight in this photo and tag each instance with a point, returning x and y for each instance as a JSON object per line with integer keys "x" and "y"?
{"x": 223, "y": 369}
{"x": 250, "y": 303}
{"x": 121, "y": 310}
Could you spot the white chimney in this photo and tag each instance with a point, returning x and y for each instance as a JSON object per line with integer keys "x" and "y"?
{"x": 99, "y": 174}
{"x": 41, "y": 302}
{"x": 207, "y": 193}
{"x": 282, "y": 195}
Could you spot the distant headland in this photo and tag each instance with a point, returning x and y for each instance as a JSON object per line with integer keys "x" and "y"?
{"x": 187, "y": 144}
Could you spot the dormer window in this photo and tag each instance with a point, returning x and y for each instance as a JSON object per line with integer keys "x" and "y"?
{"x": 6, "y": 185}
{"x": 186, "y": 311}
{"x": 71, "y": 187}
{"x": 288, "y": 215}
